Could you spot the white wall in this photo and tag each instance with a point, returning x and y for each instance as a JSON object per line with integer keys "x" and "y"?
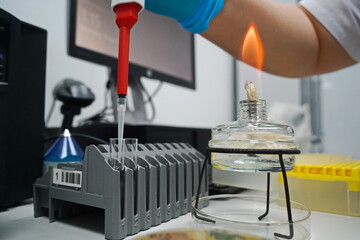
{"x": 341, "y": 111}
{"x": 210, "y": 104}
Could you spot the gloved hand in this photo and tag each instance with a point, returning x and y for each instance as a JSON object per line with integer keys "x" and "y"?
{"x": 193, "y": 15}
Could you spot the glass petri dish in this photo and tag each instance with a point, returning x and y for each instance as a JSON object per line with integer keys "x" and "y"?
{"x": 240, "y": 213}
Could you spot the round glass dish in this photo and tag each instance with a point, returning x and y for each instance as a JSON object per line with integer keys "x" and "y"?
{"x": 240, "y": 213}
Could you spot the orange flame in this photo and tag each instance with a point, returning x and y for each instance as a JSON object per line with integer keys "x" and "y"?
{"x": 252, "y": 51}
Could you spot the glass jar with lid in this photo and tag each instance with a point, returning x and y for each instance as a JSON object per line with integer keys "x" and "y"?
{"x": 252, "y": 131}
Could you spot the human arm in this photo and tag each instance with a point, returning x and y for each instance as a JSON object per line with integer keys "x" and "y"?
{"x": 295, "y": 43}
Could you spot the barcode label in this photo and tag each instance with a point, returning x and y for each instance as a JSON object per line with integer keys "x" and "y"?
{"x": 67, "y": 177}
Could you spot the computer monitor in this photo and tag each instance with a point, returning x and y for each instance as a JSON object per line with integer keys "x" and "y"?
{"x": 159, "y": 49}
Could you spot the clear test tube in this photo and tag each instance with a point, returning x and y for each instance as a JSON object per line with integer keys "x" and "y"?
{"x": 114, "y": 152}
{"x": 128, "y": 153}
{"x": 123, "y": 152}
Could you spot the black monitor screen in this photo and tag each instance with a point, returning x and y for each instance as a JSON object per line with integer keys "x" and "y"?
{"x": 160, "y": 48}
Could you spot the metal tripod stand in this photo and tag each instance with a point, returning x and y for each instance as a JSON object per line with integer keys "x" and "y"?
{"x": 280, "y": 153}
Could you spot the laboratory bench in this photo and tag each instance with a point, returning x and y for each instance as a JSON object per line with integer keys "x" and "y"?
{"x": 17, "y": 223}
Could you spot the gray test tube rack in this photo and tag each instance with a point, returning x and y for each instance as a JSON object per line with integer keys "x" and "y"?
{"x": 161, "y": 188}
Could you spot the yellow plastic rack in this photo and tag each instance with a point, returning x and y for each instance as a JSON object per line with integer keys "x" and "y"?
{"x": 325, "y": 182}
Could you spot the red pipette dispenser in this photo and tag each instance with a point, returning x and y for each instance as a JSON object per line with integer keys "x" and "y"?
{"x": 126, "y": 17}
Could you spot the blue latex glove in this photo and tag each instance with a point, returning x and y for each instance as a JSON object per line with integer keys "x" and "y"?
{"x": 193, "y": 15}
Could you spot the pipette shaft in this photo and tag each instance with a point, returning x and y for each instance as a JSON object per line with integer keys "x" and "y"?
{"x": 126, "y": 17}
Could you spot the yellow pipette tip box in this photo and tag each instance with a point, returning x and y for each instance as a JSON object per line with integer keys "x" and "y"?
{"x": 325, "y": 182}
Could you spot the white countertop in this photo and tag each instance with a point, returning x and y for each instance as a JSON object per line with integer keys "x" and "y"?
{"x": 18, "y": 223}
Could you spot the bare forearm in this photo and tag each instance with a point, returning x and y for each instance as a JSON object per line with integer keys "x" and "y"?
{"x": 291, "y": 38}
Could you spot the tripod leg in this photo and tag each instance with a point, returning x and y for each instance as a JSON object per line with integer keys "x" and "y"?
{"x": 204, "y": 166}
{"x": 288, "y": 204}
{"x": 267, "y": 197}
